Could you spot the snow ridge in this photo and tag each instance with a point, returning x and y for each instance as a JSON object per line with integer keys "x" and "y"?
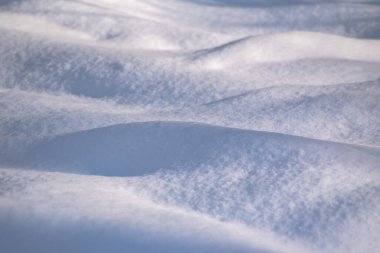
{"x": 189, "y": 126}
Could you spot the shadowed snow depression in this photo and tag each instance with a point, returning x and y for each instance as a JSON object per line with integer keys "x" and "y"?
{"x": 183, "y": 126}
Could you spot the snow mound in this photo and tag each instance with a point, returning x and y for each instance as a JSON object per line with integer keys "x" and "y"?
{"x": 144, "y": 148}
{"x": 345, "y": 112}
{"x": 289, "y": 46}
{"x": 288, "y": 185}
{"x": 57, "y": 210}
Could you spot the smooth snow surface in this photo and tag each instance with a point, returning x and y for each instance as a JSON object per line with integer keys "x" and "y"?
{"x": 190, "y": 126}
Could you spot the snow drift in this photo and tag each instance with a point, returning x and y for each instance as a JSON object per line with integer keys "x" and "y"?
{"x": 143, "y": 148}
{"x": 289, "y": 47}
{"x": 189, "y": 126}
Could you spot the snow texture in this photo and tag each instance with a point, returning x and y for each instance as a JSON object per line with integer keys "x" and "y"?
{"x": 190, "y": 126}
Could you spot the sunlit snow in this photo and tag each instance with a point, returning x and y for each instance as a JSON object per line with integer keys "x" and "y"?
{"x": 190, "y": 126}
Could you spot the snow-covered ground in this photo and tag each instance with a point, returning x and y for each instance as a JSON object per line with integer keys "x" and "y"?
{"x": 190, "y": 126}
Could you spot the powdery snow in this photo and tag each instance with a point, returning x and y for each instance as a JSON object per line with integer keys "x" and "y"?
{"x": 189, "y": 126}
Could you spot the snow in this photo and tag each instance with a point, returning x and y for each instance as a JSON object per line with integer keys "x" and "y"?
{"x": 189, "y": 126}
{"x": 289, "y": 46}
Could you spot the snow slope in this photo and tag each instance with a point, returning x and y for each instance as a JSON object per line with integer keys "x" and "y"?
{"x": 289, "y": 46}
{"x": 189, "y": 126}
{"x": 127, "y": 219}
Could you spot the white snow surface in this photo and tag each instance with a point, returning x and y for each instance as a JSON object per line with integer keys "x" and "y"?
{"x": 190, "y": 126}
